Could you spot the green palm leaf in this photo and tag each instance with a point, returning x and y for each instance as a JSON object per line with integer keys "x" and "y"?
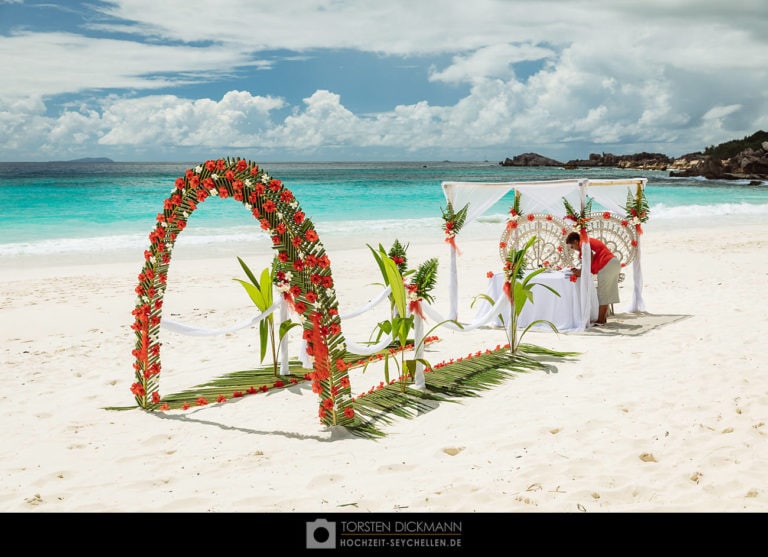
{"x": 254, "y": 292}
{"x": 426, "y": 278}
{"x": 266, "y": 286}
{"x": 248, "y": 272}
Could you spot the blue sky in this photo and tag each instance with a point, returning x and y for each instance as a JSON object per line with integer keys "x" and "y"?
{"x": 357, "y": 80}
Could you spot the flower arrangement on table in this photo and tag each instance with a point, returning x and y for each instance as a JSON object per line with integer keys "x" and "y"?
{"x": 637, "y": 209}
{"x": 548, "y": 266}
{"x": 452, "y": 223}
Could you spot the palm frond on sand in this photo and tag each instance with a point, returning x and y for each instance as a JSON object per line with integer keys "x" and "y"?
{"x": 447, "y": 382}
{"x": 251, "y": 381}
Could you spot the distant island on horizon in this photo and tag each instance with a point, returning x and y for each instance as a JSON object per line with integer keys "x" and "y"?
{"x": 89, "y": 159}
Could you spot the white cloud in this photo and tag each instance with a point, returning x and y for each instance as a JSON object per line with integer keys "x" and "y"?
{"x": 489, "y": 62}
{"x": 236, "y": 120}
{"x": 324, "y": 122}
{"x": 618, "y": 75}
{"x": 719, "y": 112}
{"x": 55, "y": 63}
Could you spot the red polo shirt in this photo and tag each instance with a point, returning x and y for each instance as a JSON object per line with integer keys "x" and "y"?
{"x": 601, "y": 255}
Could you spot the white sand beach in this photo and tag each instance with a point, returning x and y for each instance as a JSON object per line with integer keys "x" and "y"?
{"x": 671, "y": 420}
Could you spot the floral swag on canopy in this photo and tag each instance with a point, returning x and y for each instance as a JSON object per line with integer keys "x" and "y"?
{"x": 637, "y": 209}
{"x": 452, "y": 224}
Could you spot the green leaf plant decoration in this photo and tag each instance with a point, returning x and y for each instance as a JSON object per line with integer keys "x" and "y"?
{"x": 425, "y": 279}
{"x": 518, "y": 287}
{"x": 405, "y": 298}
{"x": 260, "y": 292}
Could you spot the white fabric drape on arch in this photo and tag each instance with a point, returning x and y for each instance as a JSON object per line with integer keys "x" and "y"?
{"x": 281, "y": 307}
{"x": 612, "y": 194}
{"x": 481, "y": 196}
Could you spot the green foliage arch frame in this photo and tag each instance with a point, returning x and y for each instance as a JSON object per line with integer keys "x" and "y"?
{"x": 302, "y": 274}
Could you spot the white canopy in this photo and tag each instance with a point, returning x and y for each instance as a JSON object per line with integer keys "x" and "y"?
{"x": 545, "y": 196}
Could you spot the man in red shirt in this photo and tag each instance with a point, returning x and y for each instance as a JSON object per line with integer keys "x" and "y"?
{"x": 607, "y": 268}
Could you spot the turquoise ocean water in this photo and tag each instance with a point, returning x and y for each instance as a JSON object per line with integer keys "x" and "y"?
{"x": 92, "y": 208}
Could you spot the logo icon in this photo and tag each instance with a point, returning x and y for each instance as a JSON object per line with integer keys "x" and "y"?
{"x": 321, "y": 534}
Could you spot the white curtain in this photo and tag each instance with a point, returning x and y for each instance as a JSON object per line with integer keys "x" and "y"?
{"x": 612, "y": 197}
{"x": 586, "y": 283}
{"x": 612, "y": 194}
{"x": 481, "y": 196}
{"x": 540, "y": 197}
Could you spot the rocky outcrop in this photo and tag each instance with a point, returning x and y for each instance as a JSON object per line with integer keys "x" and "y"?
{"x": 645, "y": 161}
{"x": 642, "y": 161}
{"x": 530, "y": 159}
{"x": 749, "y": 164}
{"x": 747, "y": 160}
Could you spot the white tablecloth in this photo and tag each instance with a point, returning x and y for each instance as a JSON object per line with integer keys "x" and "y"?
{"x": 563, "y": 311}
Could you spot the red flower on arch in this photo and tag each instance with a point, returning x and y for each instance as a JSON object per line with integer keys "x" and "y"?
{"x": 279, "y": 215}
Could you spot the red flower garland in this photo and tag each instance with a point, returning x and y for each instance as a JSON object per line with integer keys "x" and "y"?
{"x": 299, "y": 252}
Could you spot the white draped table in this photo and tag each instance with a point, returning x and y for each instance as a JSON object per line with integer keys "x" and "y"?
{"x": 563, "y": 311}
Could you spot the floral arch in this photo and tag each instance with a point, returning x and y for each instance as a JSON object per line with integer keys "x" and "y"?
{"x": 302, "y": 273}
